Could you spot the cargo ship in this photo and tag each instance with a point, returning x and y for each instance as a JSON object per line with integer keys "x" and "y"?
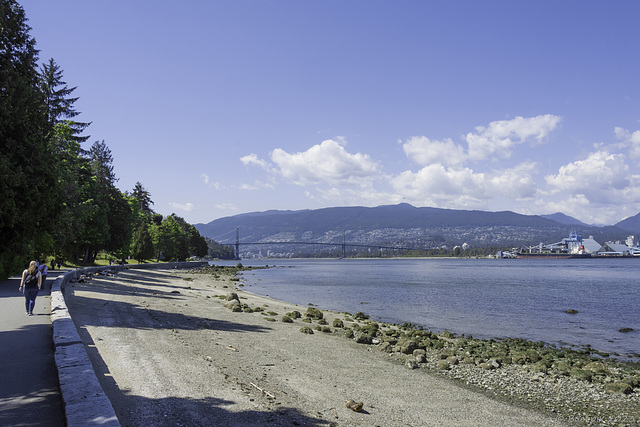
{"x": 570, "y": 247}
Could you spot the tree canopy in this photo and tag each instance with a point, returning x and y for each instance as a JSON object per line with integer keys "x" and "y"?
{"x": 57, "y": 198}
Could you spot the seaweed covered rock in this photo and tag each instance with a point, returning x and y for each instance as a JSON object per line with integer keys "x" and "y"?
{"x": 363, "y": 338}
{"x": 618, "y": 387}
{"x": 580, "y": 374}
{"x": 596, "y": 368}
{"x": 442, "y": 365}
{"x": 406, "y": 346}
{"x": 314, "y": 313}
{"x": 360, "y": 316}
{"x": 232, "y": 296}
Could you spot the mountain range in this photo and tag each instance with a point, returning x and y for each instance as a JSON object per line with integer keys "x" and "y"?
{"x": 404, "y": 225}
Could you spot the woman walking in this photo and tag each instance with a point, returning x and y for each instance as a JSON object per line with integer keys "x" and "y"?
{"x": 31, "y": 282}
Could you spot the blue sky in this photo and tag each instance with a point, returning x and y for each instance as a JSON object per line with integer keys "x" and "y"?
{"x": 226, "y": 107}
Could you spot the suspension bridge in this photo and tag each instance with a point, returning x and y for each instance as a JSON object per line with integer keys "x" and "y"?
{"x": 343, "y": 244}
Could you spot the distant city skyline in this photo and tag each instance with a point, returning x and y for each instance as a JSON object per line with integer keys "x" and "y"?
{"x": 220, "y": 108}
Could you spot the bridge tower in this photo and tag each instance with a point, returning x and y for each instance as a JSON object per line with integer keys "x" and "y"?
{"x": 237, "y": 243}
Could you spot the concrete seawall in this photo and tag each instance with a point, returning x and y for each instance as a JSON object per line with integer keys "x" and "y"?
{"x": 84, "y": 400}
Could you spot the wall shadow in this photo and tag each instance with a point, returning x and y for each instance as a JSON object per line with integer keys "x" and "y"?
{"x": 93, "y": 312}
{"x": 134, "y": 410}
{"x": 29, "y": 388}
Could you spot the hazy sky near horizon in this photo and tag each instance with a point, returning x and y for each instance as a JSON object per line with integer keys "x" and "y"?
{"x": 226, "y": 107}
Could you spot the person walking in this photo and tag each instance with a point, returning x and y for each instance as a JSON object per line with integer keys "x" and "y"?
{"x": 30, "y": 284}
{"x": 44, "y": 270}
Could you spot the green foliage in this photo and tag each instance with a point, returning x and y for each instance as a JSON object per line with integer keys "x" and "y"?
{"x": 143, "y": 200}
{"x": 27, "y": 202}
{"x": 216, "y": 250}
{"x": 142, "y": 243}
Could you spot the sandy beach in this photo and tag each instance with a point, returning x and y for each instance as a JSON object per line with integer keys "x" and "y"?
{"x": 167, "y": 351}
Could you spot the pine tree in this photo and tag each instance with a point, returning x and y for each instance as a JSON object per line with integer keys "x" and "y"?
{"x": 143, "y": 197}
{"x": 59, "y": 103}
{"x": 27, "y": 180}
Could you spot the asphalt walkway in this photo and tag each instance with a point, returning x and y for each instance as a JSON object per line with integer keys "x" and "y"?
{"x": 29, "y": 388}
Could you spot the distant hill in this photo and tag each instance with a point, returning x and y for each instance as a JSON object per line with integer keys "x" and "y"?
{"x": 398, "y": 225}
{"x": 631, "y": 224}
{"x": 564, "y": 219}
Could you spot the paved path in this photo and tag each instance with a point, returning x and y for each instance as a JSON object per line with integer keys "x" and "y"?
{"x": 29, "y": 389}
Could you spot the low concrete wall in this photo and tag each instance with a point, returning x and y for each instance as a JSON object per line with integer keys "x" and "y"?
{"x": 84, "y": 400}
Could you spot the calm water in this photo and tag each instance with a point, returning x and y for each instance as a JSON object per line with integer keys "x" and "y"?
{"x": 484, "y": 298}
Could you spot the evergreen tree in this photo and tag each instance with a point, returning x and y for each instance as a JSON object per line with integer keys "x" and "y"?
{"x": 195, "y": 243}
{"x": 216, "y": 250}
{"x": 59, "y": 104}
{"x": 27, "y": 180}
{"x": 143, "y": 198}
{"x": 109, "y": 220}
{"x": 74, "y": 180}
{"x": 120, "y": 222}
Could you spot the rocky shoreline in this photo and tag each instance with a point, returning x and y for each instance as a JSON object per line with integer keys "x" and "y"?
{"x": 178, "y": 347}
{"x": 578, "y": 386}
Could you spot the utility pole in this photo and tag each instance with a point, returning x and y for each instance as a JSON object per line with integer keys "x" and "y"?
{"x": 344, "y": 253}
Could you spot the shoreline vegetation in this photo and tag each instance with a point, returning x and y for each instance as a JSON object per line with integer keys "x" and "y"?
{"x": 584, "y": 385}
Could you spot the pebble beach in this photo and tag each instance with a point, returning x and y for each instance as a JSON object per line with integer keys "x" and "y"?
{"x": 179, "y": 347}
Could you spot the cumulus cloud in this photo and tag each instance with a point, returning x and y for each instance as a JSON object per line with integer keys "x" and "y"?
{"x": 424, "y": 151}
{"x": 515, "y": 183}
{"x": 327, "y": 162}
{"x": 444, "y": 187}
{"x": 187, "y": 207}
{"x": 602, "y": 178}
{"x": 252, "y": 159}
{"x": 632, "y": 140}
{"x": 499, "y": 137}
{"x": 601, "y": 187}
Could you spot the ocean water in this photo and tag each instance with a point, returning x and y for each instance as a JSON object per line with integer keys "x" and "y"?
{"x": 487, "y": 298}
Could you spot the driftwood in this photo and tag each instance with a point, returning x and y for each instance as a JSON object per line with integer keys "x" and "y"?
{"x": 263, "y": 391}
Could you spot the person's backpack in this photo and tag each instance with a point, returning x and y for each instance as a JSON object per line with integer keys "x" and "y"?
{"x": 31, "y": 281}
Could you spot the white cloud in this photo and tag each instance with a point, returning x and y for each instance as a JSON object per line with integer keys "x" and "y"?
{"x": 214, "y": 185}
{"x": 424, "y": 151}
{"x": 188, "y": 207}
{"x": 226, "y": 206}
{"x": 630, "y": 139}
{"x": 601, "y": 177}
{"x": 436, "y": 185}
{"x": 252, "y": 159}
{"x": 327, "y": 162}
{"x": 600, "y": 188}
{"x": 515, "y": 183}
{"x": 349, "y": 196}
{"x": 498, "y": 138}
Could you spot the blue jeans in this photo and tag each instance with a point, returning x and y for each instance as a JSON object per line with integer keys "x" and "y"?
{"x": 30, "y": 298}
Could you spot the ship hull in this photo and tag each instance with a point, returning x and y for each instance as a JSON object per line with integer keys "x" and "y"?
{"x": 552, "y": 255}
